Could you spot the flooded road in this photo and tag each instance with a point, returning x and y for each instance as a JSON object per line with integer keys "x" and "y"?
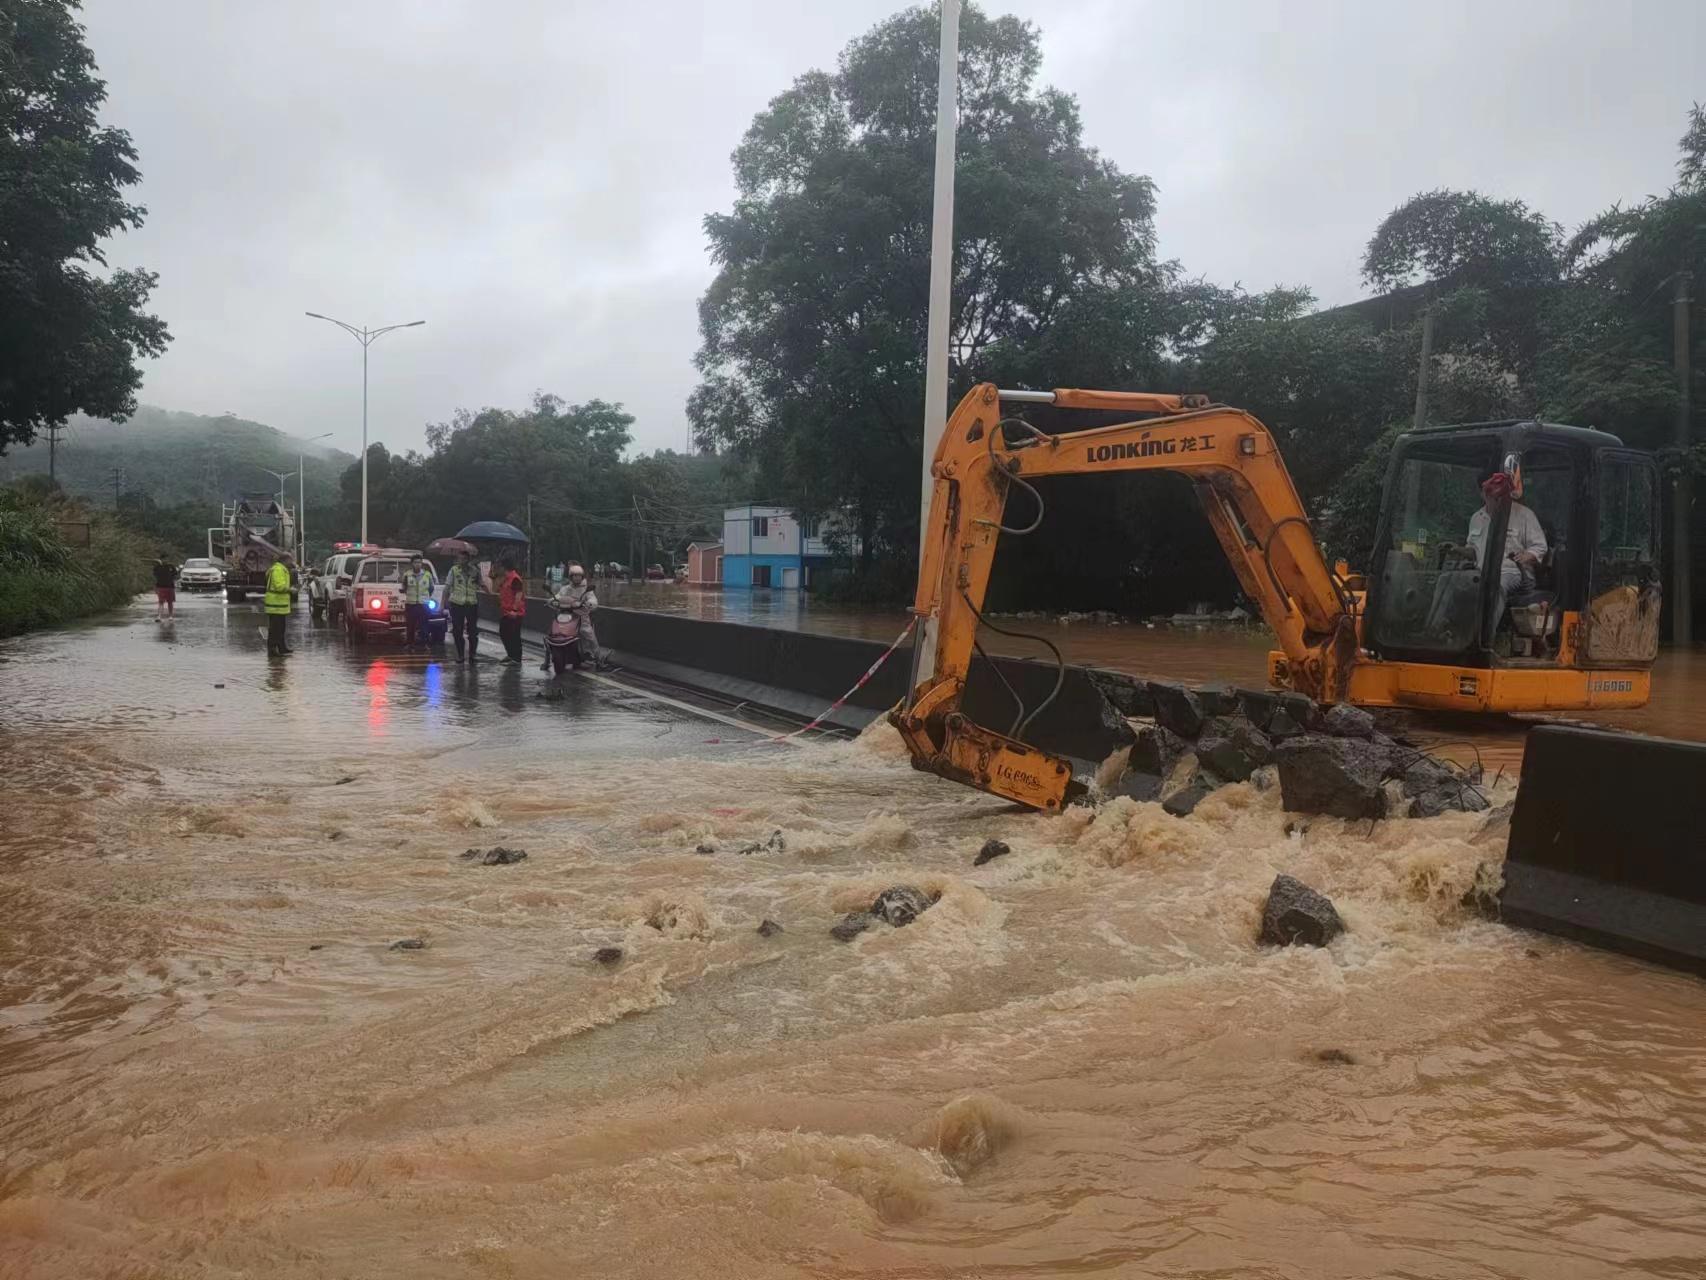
{"x": 1077, "y": 1062}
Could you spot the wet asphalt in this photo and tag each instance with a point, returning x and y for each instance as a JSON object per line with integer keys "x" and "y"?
{"x": 208, "y": 671}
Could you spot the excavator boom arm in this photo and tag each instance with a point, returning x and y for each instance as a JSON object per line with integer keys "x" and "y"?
{"x": 1243, "y": 486}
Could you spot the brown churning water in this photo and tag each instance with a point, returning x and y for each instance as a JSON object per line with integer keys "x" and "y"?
{"x": 1076, "y": 1062}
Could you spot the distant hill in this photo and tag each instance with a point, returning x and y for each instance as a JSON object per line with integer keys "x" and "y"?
{"x": 179, "y": 458}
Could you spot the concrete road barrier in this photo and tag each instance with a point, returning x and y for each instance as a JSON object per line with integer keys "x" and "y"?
{"x": 801, "y": 673}
{"x": 1608, "y": 843}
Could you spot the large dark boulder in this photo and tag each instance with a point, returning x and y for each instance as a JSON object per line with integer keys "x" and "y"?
{"x": 901, "y": 904}
{"x": 1156, "y": 750}
{"x": 1217, "y": 699}
{"x": 496, "y": 856}
{"x": 1339, "y": 777}
{"x": 1139, "y": 786}
{"x": 1129, "y": 695}
{"x": 1183, "y": 802}
{"x": 1295, "y": 913}
{"x": 1281, "y": 726}
{"x": 1345, "y": 721}
{"x": 1258, "y": 706}
{"x": 1434, "y": 787}
{"x": 1233, "y": 748}
{"x": 1187, "y": 786}
{"x": 1301, "y": 708}
{"x": 1176, "y": 708}
{"x": 851, "y": 925}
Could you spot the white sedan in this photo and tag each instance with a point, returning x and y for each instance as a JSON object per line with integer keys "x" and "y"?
{"x": 201, "y": 574}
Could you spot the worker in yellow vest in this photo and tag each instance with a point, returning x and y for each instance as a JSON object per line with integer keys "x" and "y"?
{"x": 277, "y": 604}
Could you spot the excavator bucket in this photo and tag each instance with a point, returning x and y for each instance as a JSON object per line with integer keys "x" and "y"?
{"x": 1605, "y": 843}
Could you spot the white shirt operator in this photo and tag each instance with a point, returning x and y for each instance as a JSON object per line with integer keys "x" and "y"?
{"x": 1524, "y": 539}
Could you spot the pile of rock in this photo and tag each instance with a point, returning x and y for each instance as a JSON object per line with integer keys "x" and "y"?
{"x": 1328, "y": 760}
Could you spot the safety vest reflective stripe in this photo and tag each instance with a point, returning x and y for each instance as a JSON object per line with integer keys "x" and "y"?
{"x": 277, "y": 598}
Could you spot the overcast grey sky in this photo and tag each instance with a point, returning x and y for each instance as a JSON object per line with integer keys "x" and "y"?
{"x": 529, "y": 176}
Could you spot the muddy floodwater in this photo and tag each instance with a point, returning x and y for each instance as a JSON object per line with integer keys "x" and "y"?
{"x": 212, "y": 1063}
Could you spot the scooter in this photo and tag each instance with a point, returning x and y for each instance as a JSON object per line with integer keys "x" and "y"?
{"x": 563, "y": 641}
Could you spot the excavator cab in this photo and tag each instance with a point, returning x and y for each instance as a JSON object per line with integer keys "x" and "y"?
{"x": 1557, "y": 567}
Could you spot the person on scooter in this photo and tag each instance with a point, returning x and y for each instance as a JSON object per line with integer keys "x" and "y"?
{"x": 578, "y": 597}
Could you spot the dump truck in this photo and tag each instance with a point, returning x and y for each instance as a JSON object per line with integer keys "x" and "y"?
{"x": 250, "y": 531}
{"x": 1443, "y": 620}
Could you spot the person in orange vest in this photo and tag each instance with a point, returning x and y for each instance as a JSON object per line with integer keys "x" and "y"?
{"x": 512, "y": 608}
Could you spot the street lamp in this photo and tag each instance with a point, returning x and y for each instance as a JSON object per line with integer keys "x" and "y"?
{"x": 281, "y": 477}
{"x": 302, "y": 499}
{"x": 366, "y": 337}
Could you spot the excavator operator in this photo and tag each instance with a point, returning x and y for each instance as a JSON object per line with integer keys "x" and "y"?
{"x": 1525, "y": 540}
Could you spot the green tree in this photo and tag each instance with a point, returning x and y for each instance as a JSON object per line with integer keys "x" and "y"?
{"x": 1502, "y": 254}
{"x": 69, "y": 339}
{"x": 814, "y": 326}
{"x": 1612, "y": 361}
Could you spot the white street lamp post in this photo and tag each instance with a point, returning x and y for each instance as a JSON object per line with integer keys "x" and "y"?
{"x": 366, "y": 337}
{"x": 281, "y": 477}
{"x": 941, "y": 285}
{"x": 302, "y": 499}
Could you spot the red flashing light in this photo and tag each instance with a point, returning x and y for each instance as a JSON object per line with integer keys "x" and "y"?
{"x": 376, "y": 602}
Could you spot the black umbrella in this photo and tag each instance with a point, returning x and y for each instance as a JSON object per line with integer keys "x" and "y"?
{"x": 493, "y": 531}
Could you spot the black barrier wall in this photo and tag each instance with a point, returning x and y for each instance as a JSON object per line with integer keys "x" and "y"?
{"x": 801, "y": 673}
{"x": 1607, "y": 843}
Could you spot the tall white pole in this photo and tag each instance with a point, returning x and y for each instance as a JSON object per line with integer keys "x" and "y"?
{"x": 365, "y": 340}
{"x": 941, "y": 281}
{"x": 366, "y": 337}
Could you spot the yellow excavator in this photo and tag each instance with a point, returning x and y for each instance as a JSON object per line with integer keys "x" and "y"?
{"x": 1441, "y": 621}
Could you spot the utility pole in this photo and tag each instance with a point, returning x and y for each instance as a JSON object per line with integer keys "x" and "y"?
{"x": 53, "y": 452}
{"x": 1424, "y": 368}
{"x": 118, "y": 479}
{"x": 1682, "y": 509}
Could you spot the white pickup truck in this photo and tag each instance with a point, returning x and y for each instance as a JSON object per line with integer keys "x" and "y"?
{"x": 373, "y": 609}
{"x": 328, "y": 586}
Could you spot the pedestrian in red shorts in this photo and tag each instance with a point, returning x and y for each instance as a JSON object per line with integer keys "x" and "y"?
{"x": 165, "y": 589}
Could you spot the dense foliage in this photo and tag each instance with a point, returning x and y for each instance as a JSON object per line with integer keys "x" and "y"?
{"x": 46, "y": 580}
{"x": 554, "y": 469}
{"x": 69, "y": 338}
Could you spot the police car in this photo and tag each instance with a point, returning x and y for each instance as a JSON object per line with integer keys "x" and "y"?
{"x": 373, "y": 610}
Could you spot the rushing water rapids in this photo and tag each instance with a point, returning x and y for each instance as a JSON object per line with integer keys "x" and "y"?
{"x": 1077, "y": 1062}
